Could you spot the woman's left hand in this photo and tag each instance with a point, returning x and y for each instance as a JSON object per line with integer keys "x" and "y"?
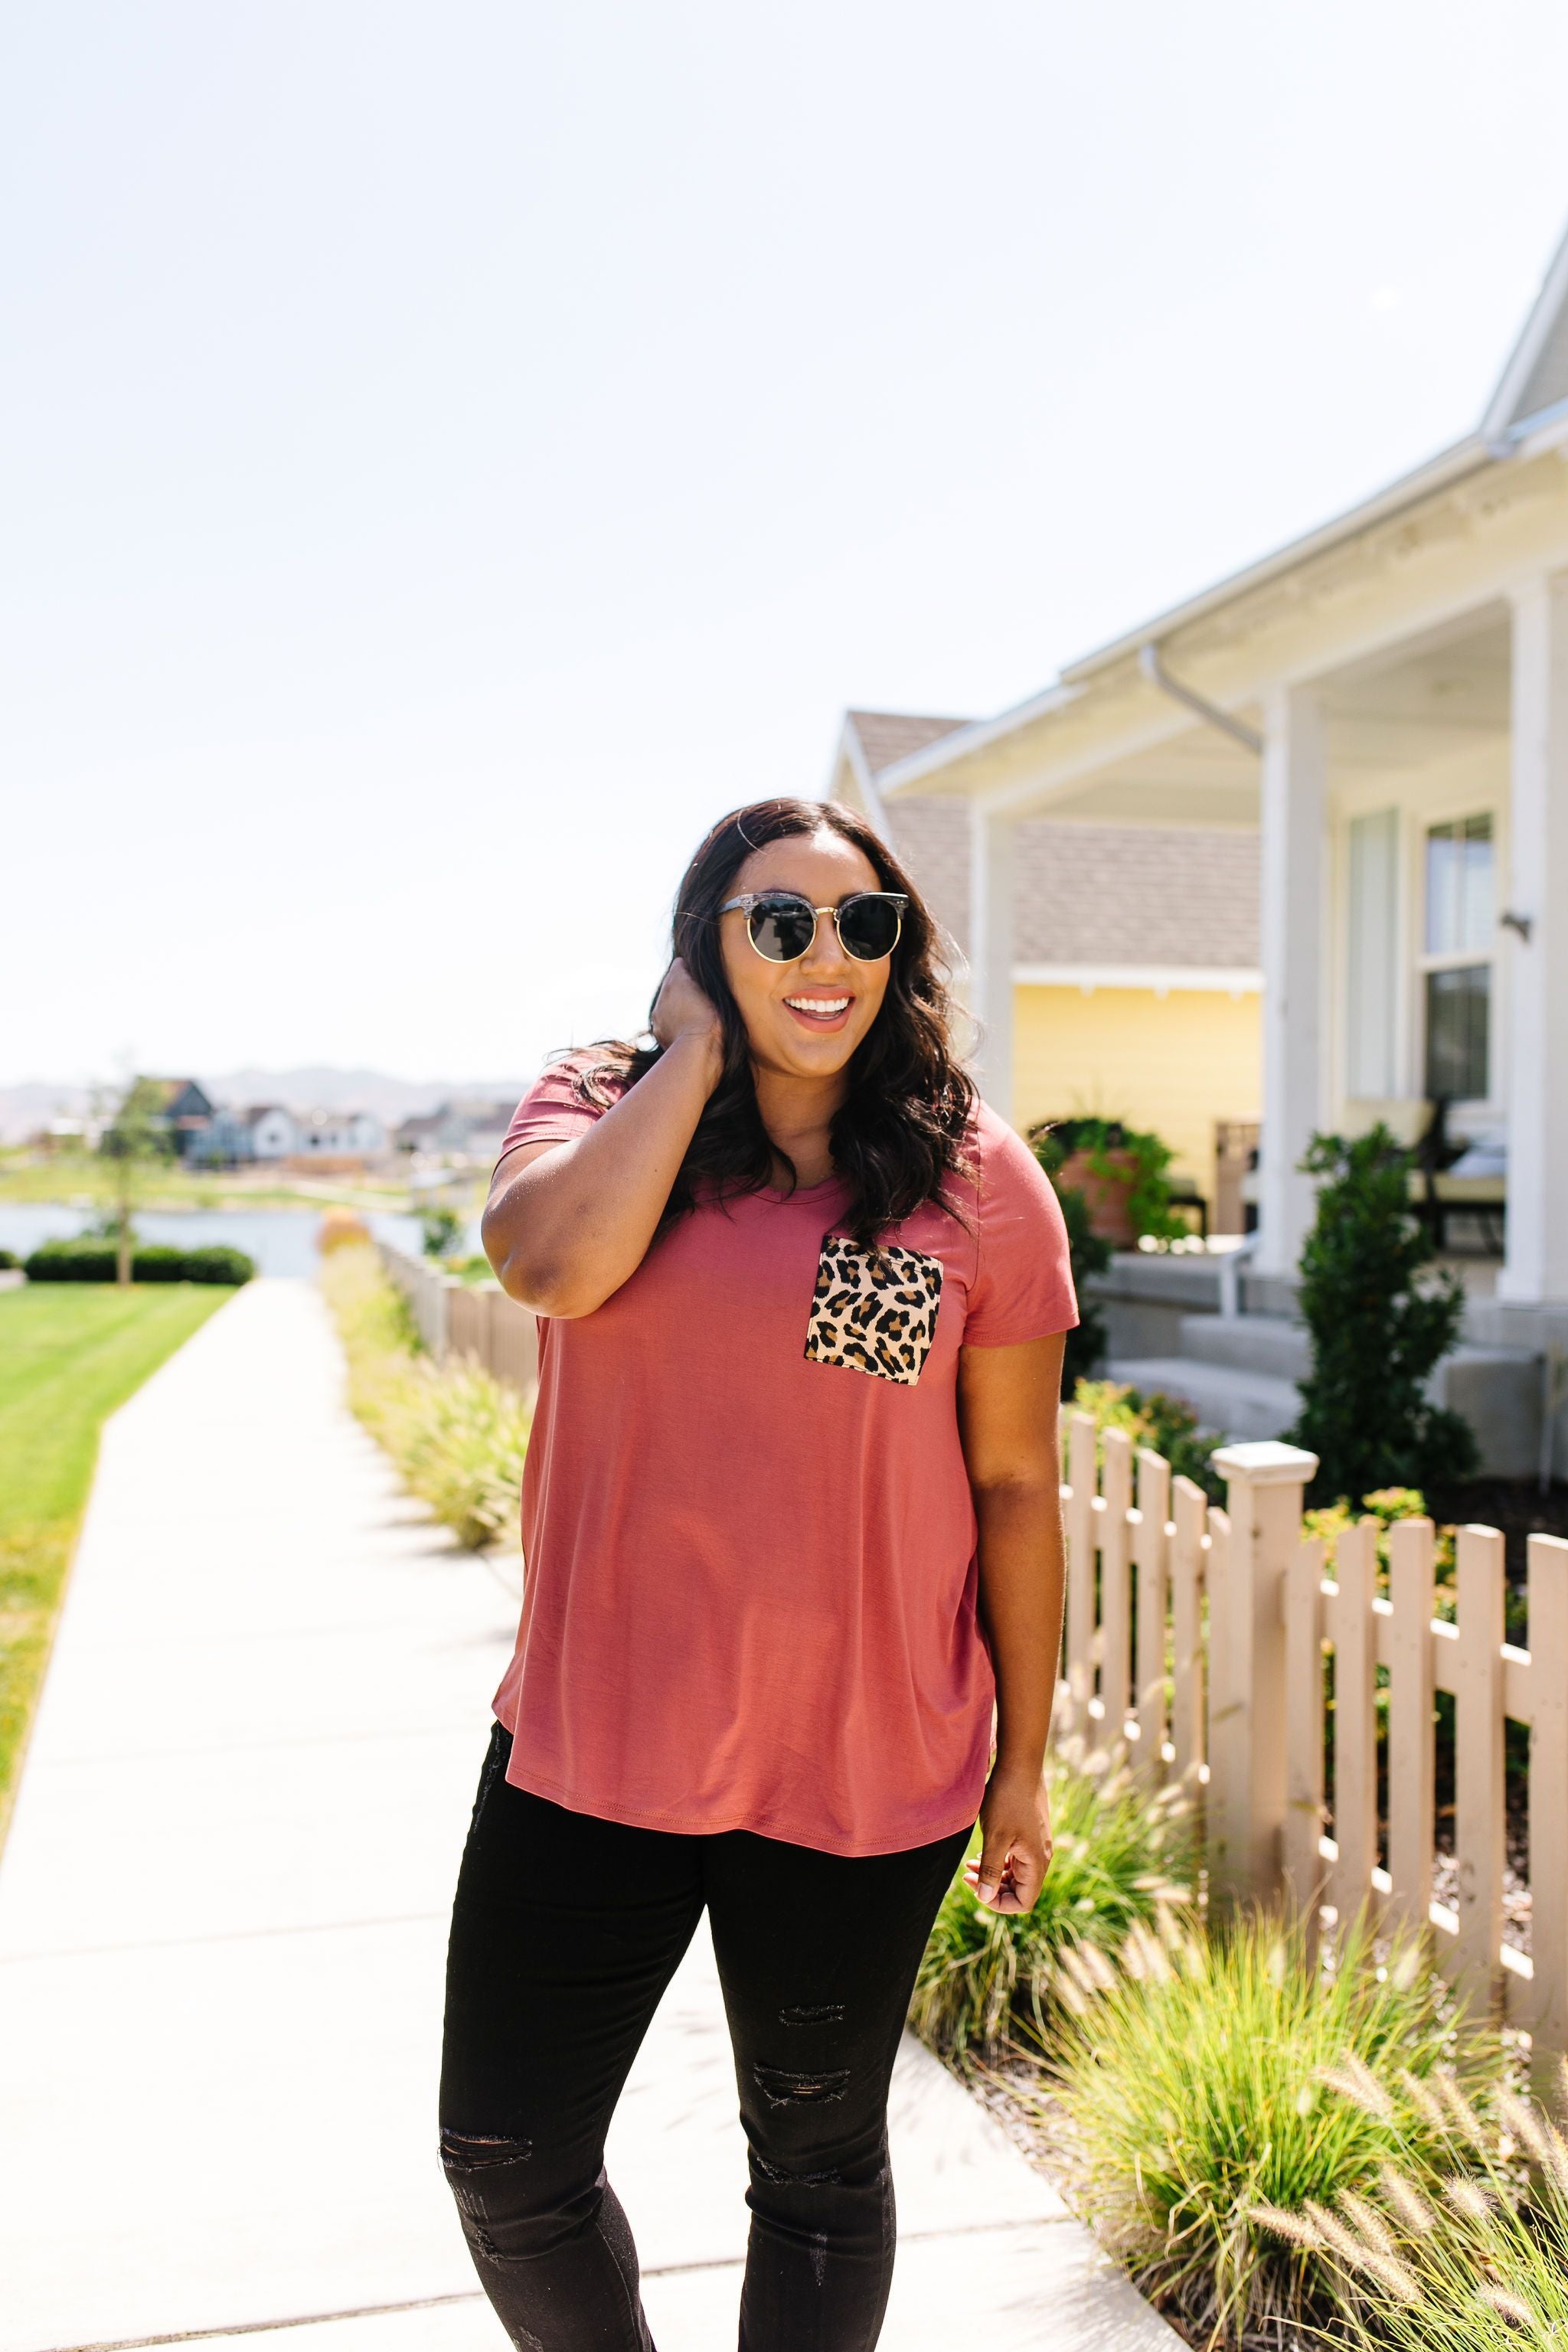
{"x": 1015, "y": 1852}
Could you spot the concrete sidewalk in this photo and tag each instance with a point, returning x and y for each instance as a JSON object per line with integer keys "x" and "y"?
{"x": 223, "y": 1916}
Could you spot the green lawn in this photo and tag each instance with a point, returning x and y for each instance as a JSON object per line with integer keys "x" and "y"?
{"x": 70, "y": 1353}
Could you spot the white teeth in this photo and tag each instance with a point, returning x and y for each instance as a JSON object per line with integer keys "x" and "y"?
{"x": 818, "y": 1003}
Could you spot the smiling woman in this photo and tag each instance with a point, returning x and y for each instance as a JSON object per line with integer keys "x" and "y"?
{"x": 791, "y": 1521}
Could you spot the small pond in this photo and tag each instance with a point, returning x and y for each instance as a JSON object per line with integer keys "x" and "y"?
{"x": 281, "y": 1241}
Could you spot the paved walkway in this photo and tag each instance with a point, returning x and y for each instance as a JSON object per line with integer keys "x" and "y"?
{"x": 221, "y": 1919}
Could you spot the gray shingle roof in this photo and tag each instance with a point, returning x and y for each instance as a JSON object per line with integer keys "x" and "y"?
{"x": 890, "y": 735}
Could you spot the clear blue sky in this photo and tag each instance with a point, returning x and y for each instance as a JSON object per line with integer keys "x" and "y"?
{"x": 454, "y": 452}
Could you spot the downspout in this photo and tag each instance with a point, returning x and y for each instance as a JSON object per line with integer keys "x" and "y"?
{"x": 1154, "y": 670}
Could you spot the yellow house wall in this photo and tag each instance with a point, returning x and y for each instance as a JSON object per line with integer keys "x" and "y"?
{"x": 1174, "y": 1063}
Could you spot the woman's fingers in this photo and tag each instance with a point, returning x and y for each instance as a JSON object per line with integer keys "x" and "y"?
{"x": 1010, "y": 1869}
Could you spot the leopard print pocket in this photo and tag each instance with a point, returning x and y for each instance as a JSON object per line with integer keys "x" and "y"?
{"x": 873, "y": 1310}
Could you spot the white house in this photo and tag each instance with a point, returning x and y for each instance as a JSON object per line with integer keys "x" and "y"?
{"x": 338, "y": 1135}
{"x": 1384, "y": 704}
{"x": 269, "y": 1129}
{"x": 1135, "y": 978}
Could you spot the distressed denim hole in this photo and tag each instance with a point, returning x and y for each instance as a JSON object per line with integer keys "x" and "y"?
{"x": 783, "y": 2178}
{"x": 477, "y": 2152}
{"x": 782, "y": 2089}
{"x": 827, "y": 2013}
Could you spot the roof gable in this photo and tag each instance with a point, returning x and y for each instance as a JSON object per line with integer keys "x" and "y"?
{"x": 889, "y": 736}
{"x": 1536, "y": 377}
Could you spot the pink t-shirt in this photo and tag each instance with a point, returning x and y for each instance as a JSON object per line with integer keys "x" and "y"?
{"x": 750, "y": 1589}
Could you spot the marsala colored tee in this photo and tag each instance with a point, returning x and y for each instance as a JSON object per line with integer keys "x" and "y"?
{"x": 748, "y": 1599}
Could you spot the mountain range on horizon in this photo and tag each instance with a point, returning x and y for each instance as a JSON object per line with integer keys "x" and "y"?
{"x": 32, "y": 1103}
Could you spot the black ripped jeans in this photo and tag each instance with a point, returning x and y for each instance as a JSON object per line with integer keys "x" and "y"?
{"x": 565, "y": 1932}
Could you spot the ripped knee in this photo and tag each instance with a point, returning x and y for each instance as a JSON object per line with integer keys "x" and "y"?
{"x": 782, "y": 2086}
{"x": 510, "y": 2212}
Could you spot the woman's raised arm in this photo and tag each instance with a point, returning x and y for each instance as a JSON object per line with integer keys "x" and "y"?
{"x": 567, "y": 1224}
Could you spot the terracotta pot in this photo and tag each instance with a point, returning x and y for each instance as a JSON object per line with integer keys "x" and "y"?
{"x": 1106, "y": 1195}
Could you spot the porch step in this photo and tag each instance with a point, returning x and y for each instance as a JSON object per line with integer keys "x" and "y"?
{"x": 1236, "y": 1402}
{"x": 1249, "y": 1343}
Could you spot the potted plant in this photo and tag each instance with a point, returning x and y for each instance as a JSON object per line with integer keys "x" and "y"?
{"x": 1118, "y": 1170}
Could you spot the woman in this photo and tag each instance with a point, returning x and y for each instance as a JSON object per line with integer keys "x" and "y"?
{"x": 792, "y": 1525}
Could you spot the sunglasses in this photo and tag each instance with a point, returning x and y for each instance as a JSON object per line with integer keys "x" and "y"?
{"x": 782, "y": 924}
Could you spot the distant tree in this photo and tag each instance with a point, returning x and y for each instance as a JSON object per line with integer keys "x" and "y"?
{"x": 1381, "y": 1318}
{"x": 135, "y": 1142}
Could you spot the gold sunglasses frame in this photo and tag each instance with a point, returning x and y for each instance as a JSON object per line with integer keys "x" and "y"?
{"x": 751, "y": 900}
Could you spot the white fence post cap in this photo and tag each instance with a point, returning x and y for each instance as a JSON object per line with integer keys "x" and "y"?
{"x": 1265, "y": 1462}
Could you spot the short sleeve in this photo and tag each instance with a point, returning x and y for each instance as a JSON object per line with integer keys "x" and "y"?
{"x": 553, "y": 1110}
{"x": 1023, "y": 1287}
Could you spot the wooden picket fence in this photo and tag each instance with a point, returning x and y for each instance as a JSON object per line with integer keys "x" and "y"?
{"x": 1196, "y": 1637}
{"x": 472, "y": 1319}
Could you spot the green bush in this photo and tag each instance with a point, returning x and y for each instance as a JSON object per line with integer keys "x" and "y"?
{"x": 457, "y": 1435}
{"x": 1197, "y": 2089}
{"x": 1088, "y": 1255}
{"x": 90, "y": 1261}
{"x": 9, "y": 1261}
{"x": 1120, "y": 1856}
{"x": 1166, "y": 1423}
{"x": 1381, "y": 1321}
{"x": 440, "y": 1231}
{"x": 1479, "y": 2266}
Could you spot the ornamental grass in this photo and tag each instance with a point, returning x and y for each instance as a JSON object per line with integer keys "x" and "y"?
{"x": 458, "y": 1434}
{"x": 1201, "y": 2090}
{"x": 1472, "y": 2260}
{"x": 1121, "y": 1857}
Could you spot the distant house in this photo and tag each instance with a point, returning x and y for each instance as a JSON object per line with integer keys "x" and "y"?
{"x": 185, "y": 1114}
{"x": 337, "y": 1135}
{"x": 470, "y": 1129}
{"x": 270, "y": 1130}
{"x": 1135, "y": 950}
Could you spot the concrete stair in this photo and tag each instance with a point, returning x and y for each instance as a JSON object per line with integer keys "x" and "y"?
{"x": 1249, "y": 1343}
{"x": 1235, "y": 1404}
{"x": 1239, "y": 1376}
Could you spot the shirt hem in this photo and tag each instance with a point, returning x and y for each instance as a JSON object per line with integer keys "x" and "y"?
{"x": 680, "y": 1825}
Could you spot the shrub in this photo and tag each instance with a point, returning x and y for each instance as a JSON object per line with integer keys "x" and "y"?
{"x": 459, "y": 1438}
{"x": 1479, "y": 2265}
{"x": 457, "y": 1434}
{"x": 1151, "y": 1418}
{"x": 1120, "y": 1857}
{"x": 441, "y": 1229}
{"x": 90, "y": 1261}
{"x": 1381, "y": 1321}
{"x": 1088, "y": 1255}
{"x": 341, "y": 1229}
{"x": 1192, "y": 2088}
{"x": 9, "y": 1261}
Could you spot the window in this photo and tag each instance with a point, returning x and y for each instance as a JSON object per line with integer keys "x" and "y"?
{"x": 1459, "y": 935}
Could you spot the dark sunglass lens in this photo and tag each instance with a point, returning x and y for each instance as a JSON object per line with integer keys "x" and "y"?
{"x": 782, "y": 929}
{"x": 868, "y": 928}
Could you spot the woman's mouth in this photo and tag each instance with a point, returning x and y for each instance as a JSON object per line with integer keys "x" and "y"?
{"x": 827, "y": 1012}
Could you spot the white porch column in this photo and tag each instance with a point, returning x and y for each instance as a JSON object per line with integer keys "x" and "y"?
{"x": 992, "y": 867}
{"x": 1293, "y": 817}
{"x": 1537, "y": 1019}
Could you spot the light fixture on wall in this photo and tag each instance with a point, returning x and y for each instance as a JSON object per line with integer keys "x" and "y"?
{"x": 1522, "y": 924}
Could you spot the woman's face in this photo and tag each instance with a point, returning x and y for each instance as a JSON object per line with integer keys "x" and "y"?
{"x": 804, "y": 1019}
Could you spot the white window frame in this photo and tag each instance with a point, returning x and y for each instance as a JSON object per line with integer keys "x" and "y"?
{"x": 1426, "y": 822}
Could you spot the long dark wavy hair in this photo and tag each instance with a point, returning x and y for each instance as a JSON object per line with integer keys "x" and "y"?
{"x": 900, "y": 1130}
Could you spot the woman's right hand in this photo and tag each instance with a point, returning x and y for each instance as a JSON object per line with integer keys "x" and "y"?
{"x": 682, "y": 1009}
